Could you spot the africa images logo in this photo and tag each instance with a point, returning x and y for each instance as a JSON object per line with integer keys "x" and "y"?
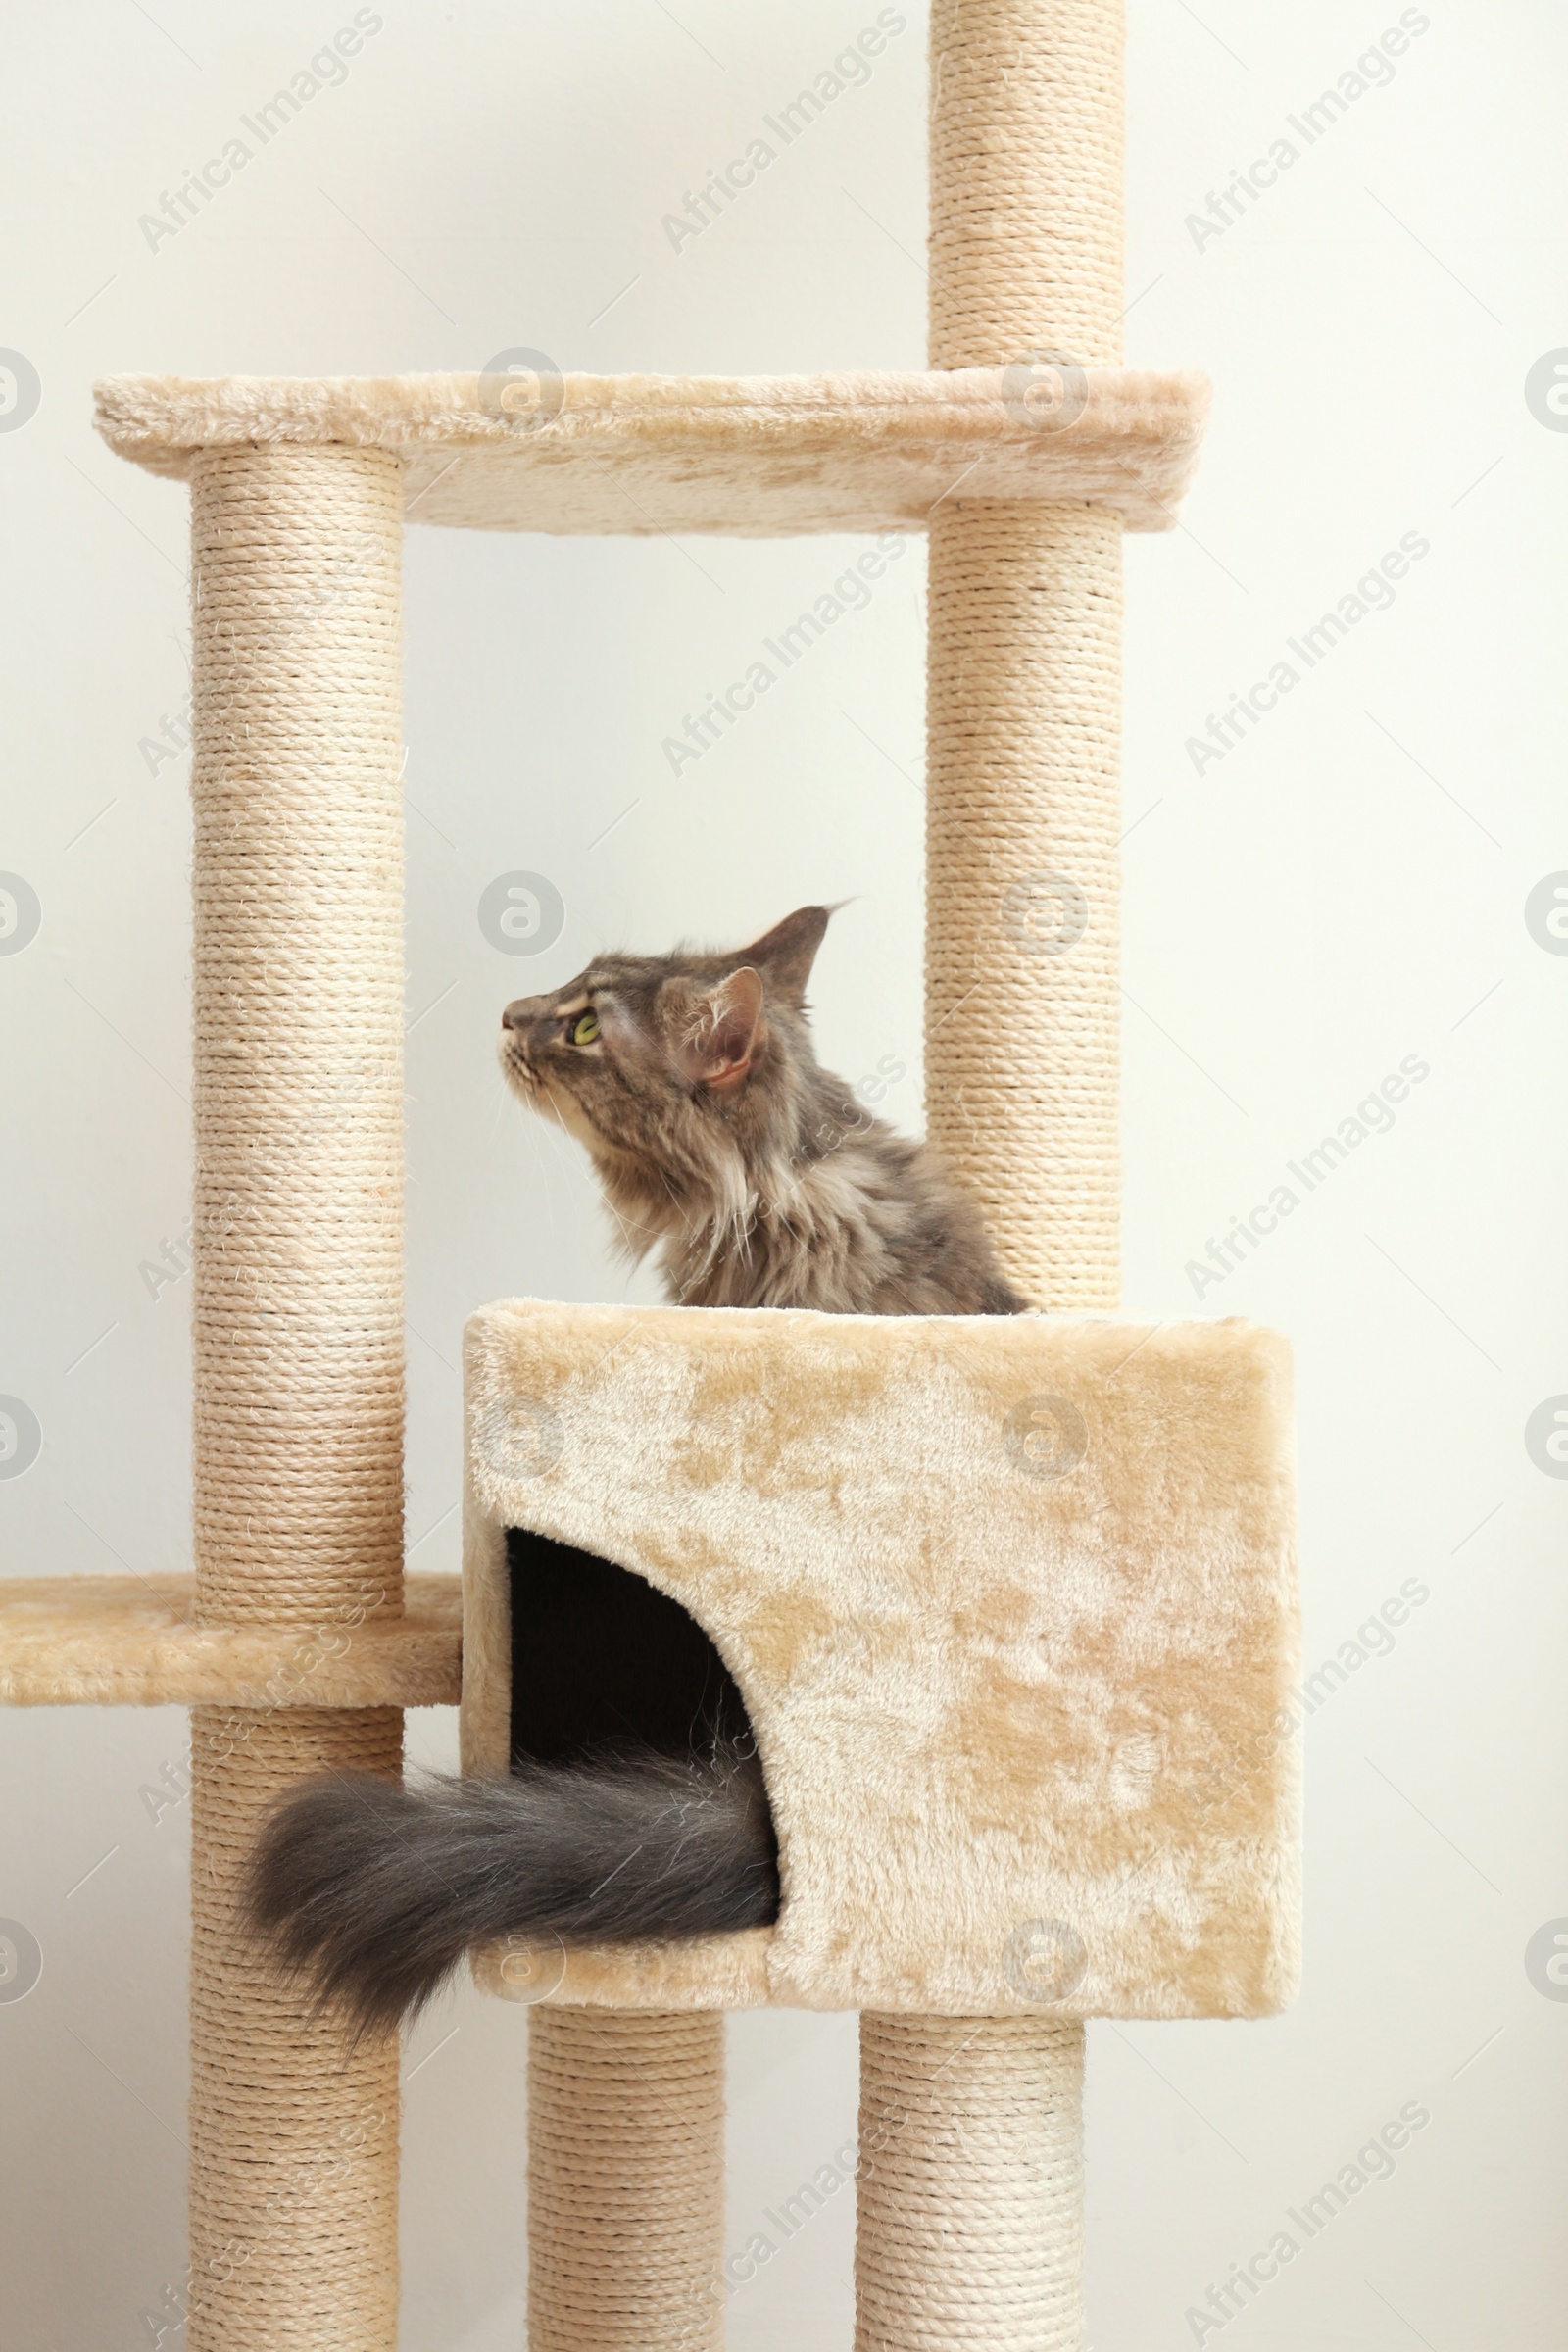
{"x": 522, "y": 913}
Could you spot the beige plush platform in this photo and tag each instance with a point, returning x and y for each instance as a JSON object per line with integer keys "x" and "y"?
{"x": 751, "y": 456}
{"x": 1013, "y": 1607}
{"x": 124, "y": 1641}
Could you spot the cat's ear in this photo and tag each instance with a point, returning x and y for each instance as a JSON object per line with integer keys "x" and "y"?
{"x": 726, "y": 1030}
{"x": 788, "y": 952}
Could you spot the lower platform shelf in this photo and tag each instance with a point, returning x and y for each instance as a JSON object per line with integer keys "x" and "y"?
{"x": 130, "y": 1641}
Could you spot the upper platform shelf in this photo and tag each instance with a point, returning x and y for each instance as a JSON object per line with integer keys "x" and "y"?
{"x": 743, "y": 457}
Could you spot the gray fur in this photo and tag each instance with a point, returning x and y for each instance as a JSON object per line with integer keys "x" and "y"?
{"x": 720, "y": 1142}
{"x": 373, "y": 1891}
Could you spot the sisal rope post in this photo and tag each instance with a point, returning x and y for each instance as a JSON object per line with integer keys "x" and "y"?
{"x": 971, "y": 2207}
{"x": 298, "y": 1338}
{"x": 1023, "y": 678}
{"x": 625, "y": 2180}
{"x": 970, "y": 2183}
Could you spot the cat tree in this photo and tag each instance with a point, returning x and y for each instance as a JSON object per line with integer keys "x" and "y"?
{"x": 1023, "y": 454}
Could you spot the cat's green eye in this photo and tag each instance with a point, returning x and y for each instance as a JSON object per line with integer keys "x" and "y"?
{"x": 585, "y": 1029}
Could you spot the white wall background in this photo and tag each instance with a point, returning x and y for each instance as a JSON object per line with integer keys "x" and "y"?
{"x": 1342, "y": 890}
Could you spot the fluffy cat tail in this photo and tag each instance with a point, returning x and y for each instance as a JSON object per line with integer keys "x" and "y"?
{"x": 373, "y": 1891}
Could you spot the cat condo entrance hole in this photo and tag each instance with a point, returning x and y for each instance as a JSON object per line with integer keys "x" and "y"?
{"x": 603, "y": 1662}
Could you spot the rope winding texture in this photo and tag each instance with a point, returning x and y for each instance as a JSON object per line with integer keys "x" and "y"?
{"x": 1027, "y": 167}
{"x": 298, "y": 956}
{"x": 1023, "y": 678}
{"x": 625, "y": 2180}
{"x": 1023, "y": 813}
{"x": 298, "y": 996}
{"x": 970, "y": 2201}
{"x": 970, "y": 2186}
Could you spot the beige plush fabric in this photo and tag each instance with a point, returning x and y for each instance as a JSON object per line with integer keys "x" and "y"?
{"x": 750, "y": 456}
{"x": 1013, "y": 1605}
{"x": 128, "y": 1642}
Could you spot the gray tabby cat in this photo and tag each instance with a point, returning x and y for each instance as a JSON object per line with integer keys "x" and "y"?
{"x": 720, "y": 1143}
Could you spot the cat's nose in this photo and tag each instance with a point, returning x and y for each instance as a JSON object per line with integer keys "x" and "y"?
{"x": 519, "y": 1013}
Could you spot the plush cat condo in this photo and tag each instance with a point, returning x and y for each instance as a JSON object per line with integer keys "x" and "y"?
{"x": 1009, "y": 1602}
